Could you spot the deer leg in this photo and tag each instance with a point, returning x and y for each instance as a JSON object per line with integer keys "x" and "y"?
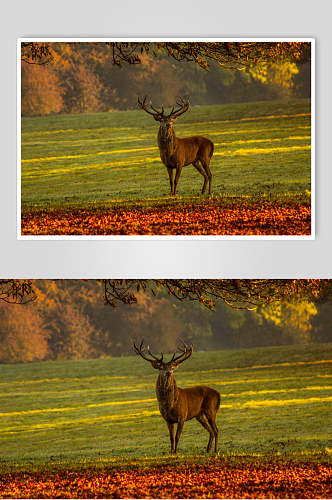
{"x": 210, "y": 177}
{"x": 178, "y": 434}
{"x": 198, "y": 165}
{"x": 170, "y": 173}
{"x": 206, "y": 167}
{"x": 171, "y": 435}
{"x": 212, "y": 421}
{"x": 203, "y": 420}
{"x": 177, "y": 175}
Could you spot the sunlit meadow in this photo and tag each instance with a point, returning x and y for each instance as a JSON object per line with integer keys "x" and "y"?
{"x": 273, "y": 400}
{"x": 106, "y": 166}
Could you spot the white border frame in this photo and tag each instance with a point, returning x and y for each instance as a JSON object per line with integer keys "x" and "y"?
{"x": 170, "y": 237}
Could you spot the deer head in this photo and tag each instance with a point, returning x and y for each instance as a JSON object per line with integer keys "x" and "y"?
{"x": 166, "y": 368}
{"x": 166, "y": 121}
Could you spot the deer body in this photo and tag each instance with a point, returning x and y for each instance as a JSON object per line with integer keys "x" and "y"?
{"x": 176, "y": 153}
{"x": 182, "y": 404}
{"x": 178, "y": 405}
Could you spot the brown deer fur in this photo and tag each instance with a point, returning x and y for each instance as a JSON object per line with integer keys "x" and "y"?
{"x": 176, "y": 153}
{"x": 178, "y": 405}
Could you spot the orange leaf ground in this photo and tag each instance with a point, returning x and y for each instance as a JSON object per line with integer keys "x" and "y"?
{"x": 176, "y": 481}
{"x": 244, "y": 218}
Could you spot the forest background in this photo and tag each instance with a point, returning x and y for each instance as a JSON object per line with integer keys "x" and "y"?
{"x": 82, "y": 78}
{"x": 70, "y": 320}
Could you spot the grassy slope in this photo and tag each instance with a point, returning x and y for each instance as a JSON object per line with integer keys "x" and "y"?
{"x": 274, "y": 400}
{"x": 109, "y": 158}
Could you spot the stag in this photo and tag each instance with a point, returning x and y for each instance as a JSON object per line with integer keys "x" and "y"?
{"x": 179, "y": 405}
{"x": 176, "y": 153}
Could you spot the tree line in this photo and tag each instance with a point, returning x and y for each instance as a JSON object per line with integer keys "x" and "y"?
{"x": 70, "y": 320}
{"x": 87, "y": 77}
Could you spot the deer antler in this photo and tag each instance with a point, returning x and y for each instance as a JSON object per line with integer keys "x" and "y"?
{"x": 185, "y": 353}
{"x": 161, "y": 113}
{"x": 142, "y": 104}
{"x": 140, "y": 350}
{"x": 183, "y": 107}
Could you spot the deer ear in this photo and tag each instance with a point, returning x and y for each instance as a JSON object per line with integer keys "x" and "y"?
{"x": 155, "y": 364}
{"x": 156, "y": 117}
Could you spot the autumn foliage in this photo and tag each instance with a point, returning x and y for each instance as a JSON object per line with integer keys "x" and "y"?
{"x": 73, "y": 319}
{"x": 23, "y": 335}
{"x": 86, "y": 77}
{"x": 212, "y": 218}
{"x": 214, "y": 480}
{"x": 41, "y": 91}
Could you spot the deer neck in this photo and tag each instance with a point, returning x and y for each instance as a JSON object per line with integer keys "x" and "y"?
{"x": 167, "y": 141}
{"x": 167, "y": 394}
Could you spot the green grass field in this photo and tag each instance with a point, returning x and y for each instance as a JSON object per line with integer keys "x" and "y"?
{"x": 274, "y": 401}
{"x": 261, "y": 149}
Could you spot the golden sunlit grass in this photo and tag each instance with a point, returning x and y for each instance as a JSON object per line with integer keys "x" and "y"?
{"x": 119, "y": 151}
{"x": 275, "y": 139}
{"x": 49, "y": 410}
{"x": 229, "y": 395}
{"x": 226, "y": 153}
{"x": 262, "y": 151}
